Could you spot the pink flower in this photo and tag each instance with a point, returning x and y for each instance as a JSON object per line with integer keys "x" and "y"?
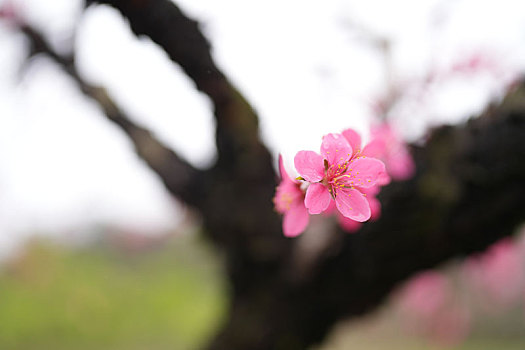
{"x": 430, "y": 308}
{"x": 425, "y": 294}
{"x": 338, "y": 173}
{"x": 387, "y": 146}
{"x": 349, "y": 225}
{"x": 289, "y": 200}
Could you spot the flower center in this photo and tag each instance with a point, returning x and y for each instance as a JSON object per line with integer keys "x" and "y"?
{"x": 336, "y": 178}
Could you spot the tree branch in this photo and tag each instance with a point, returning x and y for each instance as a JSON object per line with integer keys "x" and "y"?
{"x": 179, "y": 176}
{"x": 238, "y": 209}
{"x": 237, "y": 136}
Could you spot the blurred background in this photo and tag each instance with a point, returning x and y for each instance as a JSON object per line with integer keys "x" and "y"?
{"x": 94, "y": 251}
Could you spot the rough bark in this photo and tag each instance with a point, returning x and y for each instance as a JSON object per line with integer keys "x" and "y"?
{"x": 467, "y": 194}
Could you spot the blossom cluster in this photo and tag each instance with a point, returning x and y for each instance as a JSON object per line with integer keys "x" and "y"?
{"x": 432, "y": 303}
{"x": 343, "y": 178}
{"x": 430, "y": 307}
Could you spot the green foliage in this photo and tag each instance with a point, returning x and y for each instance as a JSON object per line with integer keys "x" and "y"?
{"x": 171, "y": 297}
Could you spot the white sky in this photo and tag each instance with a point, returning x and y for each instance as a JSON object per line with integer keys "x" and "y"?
{"x": 303, "y": 65}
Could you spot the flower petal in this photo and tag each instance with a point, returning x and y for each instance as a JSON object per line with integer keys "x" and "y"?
{"x": 401, "y": 165}
{"x": 353, "y": 205}
{"x": 371, "y": 191}
{"x": 375, "y": 205}
{"x": 353, "y": 139}
{"x": 282, "y": 170}
{"x": 335, "y": 149}
{"x": 310, "y": 165}
{"x": 317, "y": 198}
{"x": 383, "y": 179}
{"x": 365, "y": 172}
{"x": 286, "y": 194}
{"x": 375, "y": 148}
{"x": 295, "y": 220}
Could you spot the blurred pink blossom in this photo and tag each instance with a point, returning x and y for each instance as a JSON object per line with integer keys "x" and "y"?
{"x": 387, "y": 146}
{"x": 425, "y": 294}
{"x": 475, "y": 63}
{"x": 10, "y": 12}
{"x": 428, "y": 304}
{"x": 289, "y": 200}
{"x": 498, "y": 274}
{"x": 450, "y": 325}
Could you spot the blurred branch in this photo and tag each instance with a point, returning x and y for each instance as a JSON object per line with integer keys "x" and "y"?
{"x": 237, "y": 209}
{"x": 179, "y": 176}
{"x": 180, "y": 37}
